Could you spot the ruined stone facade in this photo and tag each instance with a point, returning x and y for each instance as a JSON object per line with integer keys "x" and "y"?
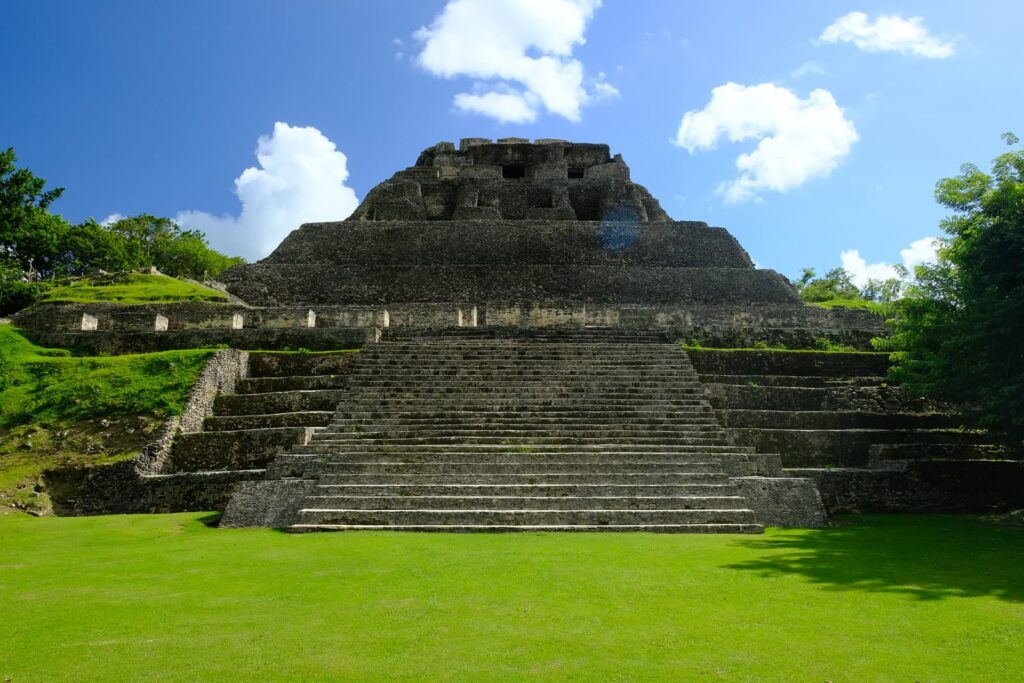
{"x": 511, "y": 221}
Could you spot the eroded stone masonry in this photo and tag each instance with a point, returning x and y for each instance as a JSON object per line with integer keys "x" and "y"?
{"x": 518, "y": 307}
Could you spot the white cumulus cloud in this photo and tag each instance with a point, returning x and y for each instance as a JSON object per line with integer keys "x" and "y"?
{"x": 919, "y": 252}
{"x": 800, "y": 139}
{"x": 300, "y": 179}
{"x": 887, "y": 33}
{"x": 519, "y": 52}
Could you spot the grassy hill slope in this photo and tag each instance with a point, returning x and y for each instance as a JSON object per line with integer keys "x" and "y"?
{"x": 56, "y": 408}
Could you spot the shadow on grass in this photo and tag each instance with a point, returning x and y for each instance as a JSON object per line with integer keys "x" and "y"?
{"x": 929, "y": 557}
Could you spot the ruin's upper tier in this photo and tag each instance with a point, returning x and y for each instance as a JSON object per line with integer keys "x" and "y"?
{"x": 512, "y": 179}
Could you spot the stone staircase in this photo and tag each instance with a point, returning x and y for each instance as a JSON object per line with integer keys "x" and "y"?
{"x": 281, "y": 402}
{"x": 577, "y": 430}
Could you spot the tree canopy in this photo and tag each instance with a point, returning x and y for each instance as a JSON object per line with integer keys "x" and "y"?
{"x": 37, "y": 246}
{"x": 959, "y": 327}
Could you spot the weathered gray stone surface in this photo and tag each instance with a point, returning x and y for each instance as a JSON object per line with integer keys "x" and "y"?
{"x": 270, "y": 504}
{"x": 512, "y": 222}
{"x": 925, "y": 486}
{"x": 783, "y": 501}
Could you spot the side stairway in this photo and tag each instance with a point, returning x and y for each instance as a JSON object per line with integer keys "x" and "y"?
{"x": 576, "y": 430}
{"x": 281, "y": 402}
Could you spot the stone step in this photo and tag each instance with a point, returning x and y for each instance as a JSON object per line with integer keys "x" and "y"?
{"x": 703, "y": 415}
{"x": 392, "y": 466}
{"x": 792, "y": 380}
{"x": 486, "y": 502}
{"x": 591, "y": 459}
{"x": 675, "y": 478}
{"x": 428, "y": 361}
{"x": 262, "y": 385}
{"x": 278, "y": 402}
{"x": 233, "y": 450}
{"x": 352, "y": 448}
{"x": 447, "y": 385}
{"x": 365, "y": 371}
{"x": 594, "y": 517}
{"x": 827, "y": 419}
{"x": 504, "y": 403}
{"x": 511, "y": 528}
{"x": 488, "y": 422}
{"x": 344, "y": 442}
{"x": 307, "y": 418}
{"x": 519, "y": 431}
{"x": 570, "y": 490}
{"x": 840, "y": 447}
{"x": 282, "y": 364}
{"x": 448, "y": 391}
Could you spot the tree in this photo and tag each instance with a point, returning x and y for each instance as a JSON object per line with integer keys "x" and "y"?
{"x": 31, "y": 238}
{"x": 958, "y": 331}
{"x": 836, "y": 284}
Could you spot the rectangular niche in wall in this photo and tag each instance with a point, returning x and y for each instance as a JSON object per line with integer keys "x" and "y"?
{"x": 513, "y": 171}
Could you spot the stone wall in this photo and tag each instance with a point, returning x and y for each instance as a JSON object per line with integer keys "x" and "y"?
{"x": 924, "y": 486}
{"x": 754, "y": 362}
{"x": 142, "y": 483}
{"x": 677, "y": 244}
{"x": 112, "y": 342}
{"x": 121, "y": 489}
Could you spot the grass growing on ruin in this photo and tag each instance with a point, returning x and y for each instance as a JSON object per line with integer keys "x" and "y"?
{"x": 883, "y": 309}
{"x": 56, "y": 408}
{"x": 132, "y": 288}
{"x": 897, "y": 598}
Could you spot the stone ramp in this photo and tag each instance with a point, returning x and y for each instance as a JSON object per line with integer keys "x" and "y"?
{"x": 585, "y": 430}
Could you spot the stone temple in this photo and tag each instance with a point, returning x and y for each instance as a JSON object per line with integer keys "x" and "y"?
{"x": 518, "y": 307}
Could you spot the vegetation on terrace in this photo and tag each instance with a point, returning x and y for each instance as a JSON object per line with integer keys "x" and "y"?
{"x": 879, "y": 598}
{"x": 131, "y": 288}
{"x": 60, "y": 409}
{"x": 37, "y": 246}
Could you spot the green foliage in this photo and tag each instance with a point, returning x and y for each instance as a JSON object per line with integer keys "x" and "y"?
{"x": 878, "y": 598}
{"x": 131, "y": 288}
{"x": 142, "y": 241}
{"x": 836, "y": 284}
{"x": 35, "y": 244}
{"x": 836, "y": 289}
{"x": 52, "y": 387}
{"x": 16, "y": 292}
{"x": 957, "y": 335}
{"x": 31, "y": 238}
{"x": 879, "y": 308}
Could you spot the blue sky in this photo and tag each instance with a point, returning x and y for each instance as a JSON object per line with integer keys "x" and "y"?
{"x": 158, "y": 107}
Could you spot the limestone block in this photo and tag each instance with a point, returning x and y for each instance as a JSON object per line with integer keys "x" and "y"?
{"x": 468, "y": 317}
{"x": 237, "y": 321}
{"x": 607, "y": 172}
{"x": 783, "y": 501}
{"x": 540, "y": 316}
{"x": 466, "y": 143}
{"x": 551, "y": 214}
{"x": 476, "y": 213}
{"x": 553, "y": 171}
{"x": 160, "y": 323}
{"x": 604, "y": 316}
{"x": 491, "y": 171}
{"x": 504, "y": 316}
{"x": 89, "y": 323}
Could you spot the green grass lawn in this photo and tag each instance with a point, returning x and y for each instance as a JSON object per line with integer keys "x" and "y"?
{"x": 164, "y": 598}
{"x": 132, "y": 288}
{"x": 58, "y": 409}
